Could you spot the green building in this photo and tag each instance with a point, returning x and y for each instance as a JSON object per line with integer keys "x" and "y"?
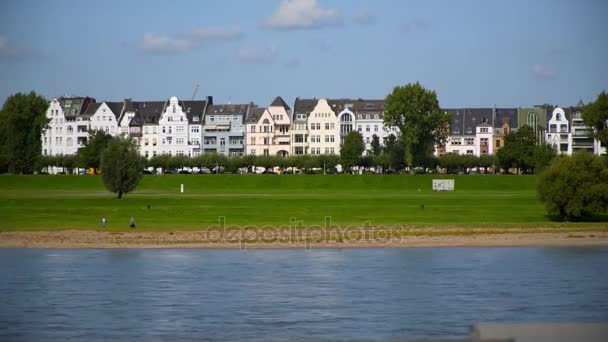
{"x": 536, "y": 118}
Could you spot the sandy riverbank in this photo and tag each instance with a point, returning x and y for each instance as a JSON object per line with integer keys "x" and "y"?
{"x": 292, "y": 239}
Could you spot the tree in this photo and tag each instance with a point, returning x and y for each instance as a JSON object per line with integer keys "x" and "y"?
{"x": 486, "y": 160}
{"x": 351, "y": 151}
{"x": 518, "y": 150}
{"x": 415, "y": 110}
{"x": 121, "y": 166}
{"x": 395, "y": 150}
{"x": 595, "y": 114}
{"x": 22, "y": 121}
{"x": 575, "y": 187}
{"x": 543, "y": 155}
{"x": 451, "y": 162}
{"x": 90, "y": 154}
{"x": 376, "y": 147}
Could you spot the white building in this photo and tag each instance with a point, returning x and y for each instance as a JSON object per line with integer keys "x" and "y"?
{"x": 104, "y": 116}
{"x": 558, "y": 132}
{"x": 324, "y": 128}
{"x": 180, "y": 127}
{"x": 68, "y": 129}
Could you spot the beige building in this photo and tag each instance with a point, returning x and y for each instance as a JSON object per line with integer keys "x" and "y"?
{"x": 268, "y": 129}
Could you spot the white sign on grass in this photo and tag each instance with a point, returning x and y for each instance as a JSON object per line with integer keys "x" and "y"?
{"x": 443, "y": 184}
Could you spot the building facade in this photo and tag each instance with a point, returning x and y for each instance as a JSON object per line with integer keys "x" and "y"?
{"x": 268, "y": 129}
{"x": 69, "y": 125}
{"x": 224, "y": 129}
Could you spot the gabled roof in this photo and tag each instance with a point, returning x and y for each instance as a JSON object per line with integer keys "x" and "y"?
{"x": 194, "y": 109}
{"x": 254, "y": 114}
{"x": 279, "y": 102}
{"x": 92, "y": 108}
{"x": 116, "y": 108}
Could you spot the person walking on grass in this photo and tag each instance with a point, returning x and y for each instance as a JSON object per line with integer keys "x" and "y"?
{"x": 132, "y": 222}
{"x": 103, "y": 222}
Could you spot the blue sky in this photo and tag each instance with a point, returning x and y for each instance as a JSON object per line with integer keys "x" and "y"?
{"x": 473, "y": 53}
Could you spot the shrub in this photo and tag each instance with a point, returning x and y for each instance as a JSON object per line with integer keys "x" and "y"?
{"x": 575, "y": 187}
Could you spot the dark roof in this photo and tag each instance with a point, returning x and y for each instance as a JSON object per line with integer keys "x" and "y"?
{"x": 74, "y": 106}
{"x": 506, "y": 115}
{"x": 92, "y": 108}
{"x": 464, "y": 120}
{"x": 373, "y": 106}
{"x": 254, "y": 114}
{"x": 116, "y": 108}
{"x": 146, "y": 112}
{"x": 279, "y": 102}
{"x": 230, "y": 109}
{"x": 194, "y": 109}
{"x": 304, "y": 106}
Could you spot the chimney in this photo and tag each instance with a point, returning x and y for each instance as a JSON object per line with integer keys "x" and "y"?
{"x": 209, "y": 100}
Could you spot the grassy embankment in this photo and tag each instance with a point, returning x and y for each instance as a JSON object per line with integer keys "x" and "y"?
{"x": 484, "y": 203}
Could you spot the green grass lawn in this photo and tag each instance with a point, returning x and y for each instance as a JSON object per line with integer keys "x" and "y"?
{"x": 79, "y": 202}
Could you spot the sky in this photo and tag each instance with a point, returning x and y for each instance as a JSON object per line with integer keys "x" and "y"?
{"x": 472, "y": 53}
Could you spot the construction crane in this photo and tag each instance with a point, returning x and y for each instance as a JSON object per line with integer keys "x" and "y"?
{"x": 195, "y": 91}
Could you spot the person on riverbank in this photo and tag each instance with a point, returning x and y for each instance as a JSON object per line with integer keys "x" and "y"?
{"x": 132, "y": 222}
{"x": 103, "y": 222}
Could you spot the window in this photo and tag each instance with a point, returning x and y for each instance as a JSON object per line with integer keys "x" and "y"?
{"x": 456, "y": 141}
{"x": 252, "y": 140}
{"x": 222, "y": 141}
{"x": 497, "y": 143}
{"x": 153, "y": 142}
{"x": 327, "y": 125}
{"x": 266, "y": 152}
{"x": 375, "y": 128}
{"x": 252, "y": 129}
{"x": 469, "y": 152}
{"x": 173, "y": 109}
{"x": 367, "y": 140}
{"x": 367, "y": 128}
{"x": 179, "y": 129}
{"x": 252, "y": 152}
{"x": 483, "y": 141}
{"x": 179, "y": 141}
{"x": 558, "y": 117}
{"x": 266, "y": 140}
{"x": 360, "y": 128}
{"x": 483, "y": 130}
{"x": 327, "y": 138}
{"x": 195, "y": 129}
{"x": 146, "y": 154}
{"x": 469, "y": 141}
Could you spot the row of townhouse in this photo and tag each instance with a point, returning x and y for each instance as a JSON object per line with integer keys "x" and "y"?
{"x": 171, "y": 127}
{"x": 313, "y": 126}
{"x": 477, "y": 131}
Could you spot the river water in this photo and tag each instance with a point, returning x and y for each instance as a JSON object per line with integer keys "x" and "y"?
{"x": 293, "y": 294}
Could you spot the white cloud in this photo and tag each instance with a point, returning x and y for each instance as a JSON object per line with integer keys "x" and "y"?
{"x": 188, "y": 41}
{"x": 298, "y": 14}
{"x": 257, "y": 54}
{"x": 542, "y": 71}
{"x": 364, "y": 17}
